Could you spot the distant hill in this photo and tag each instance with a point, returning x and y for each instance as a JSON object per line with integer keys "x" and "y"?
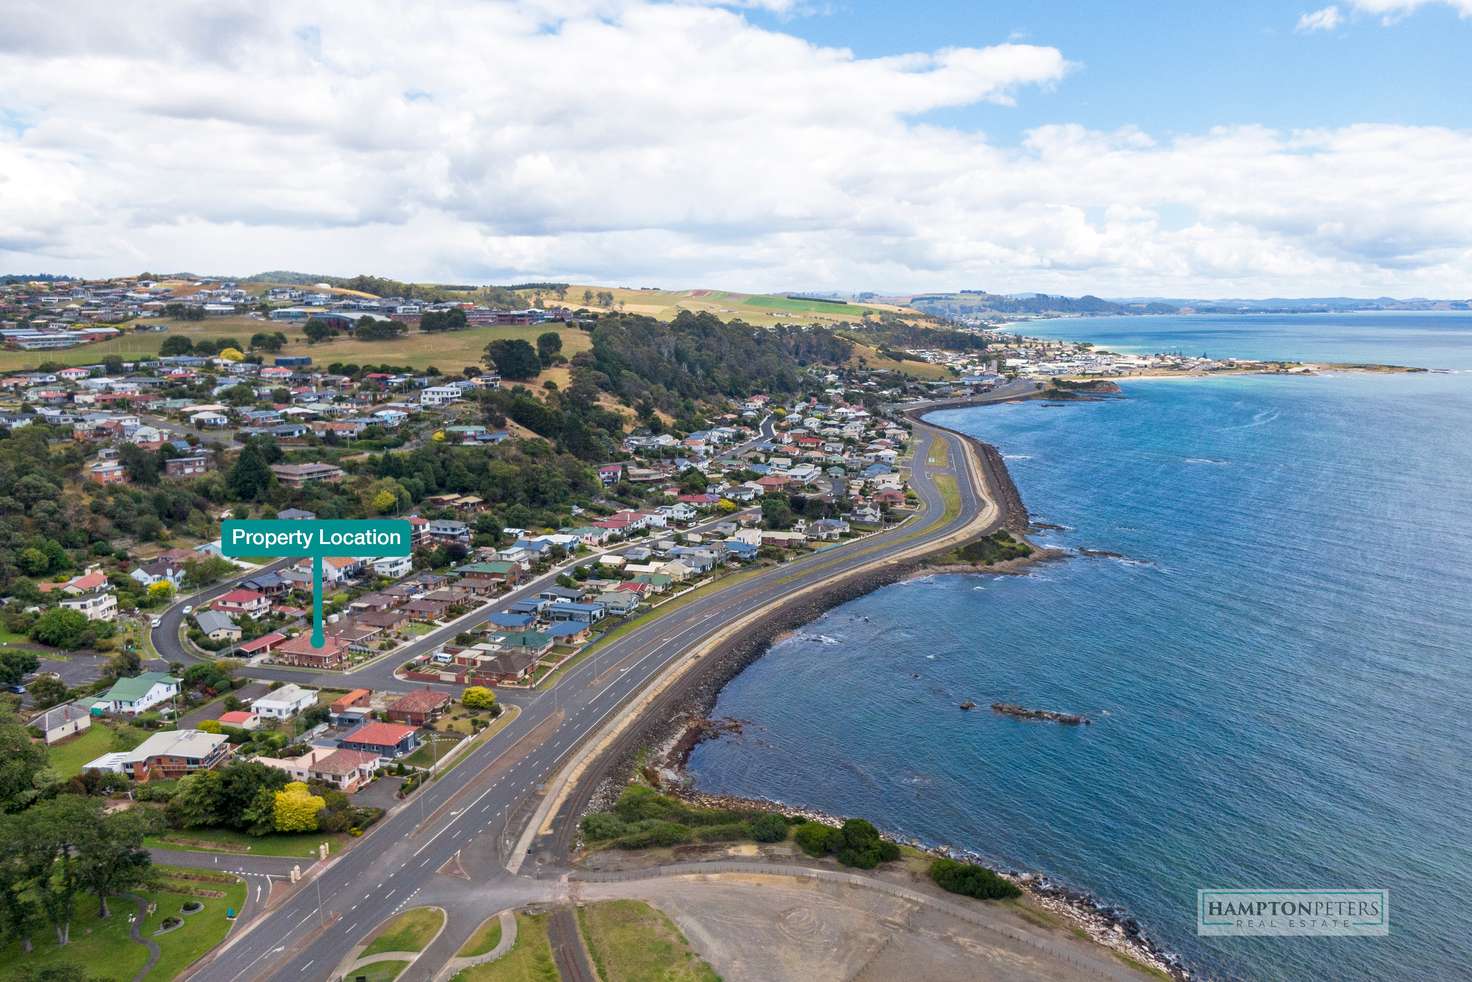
{"x": 980, "y": 305}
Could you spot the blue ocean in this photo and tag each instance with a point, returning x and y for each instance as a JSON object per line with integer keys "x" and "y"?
{"x": 1276, "y": 661}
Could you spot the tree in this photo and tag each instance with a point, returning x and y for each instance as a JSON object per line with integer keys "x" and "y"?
{"x": 860, "y": 845}
{"x": 48, "y": 691}
{"x": 207, "y": 570}
{"x": 18, "y": 910}
{"x": 251, "y": 476}
{"x": 297, "y": 808}
{"x": 142, "y": 466}
{"x": 769, "y": 828}
{"x": 55, "y": 834}
{"x": 971, "y": 880}
{"x": 478, "y": 697}
{"x": 21, "y": 762}
{"x": 443, "y": 320}
{"x": 196, "y": 801}
{"x": 176, "y": 344}
{"x": 110, "y": 854}
{"x": 368, "y": 329}
{"x": 262, "y": 341}
{"x": 513, "y": 359}
{"x": 232, "y": 354}
{"x": 384, "y": 502}
{"x": 549, "y": 346}
{"x": 815, "y": 838}
{"x": 16, "y": 665}
{"x": 61, "y": 628}
{"x": 160, "y": 593}
{"x": 317, "y": 330}
{"x": 776, "y": 513}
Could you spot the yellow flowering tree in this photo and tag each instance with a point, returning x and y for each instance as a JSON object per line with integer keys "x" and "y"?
{"x": 297, "y": 808}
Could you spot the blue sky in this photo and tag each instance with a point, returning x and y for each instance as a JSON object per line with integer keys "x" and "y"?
{"x": 1123, "y": 149}
{"x": 1182, "y": 66}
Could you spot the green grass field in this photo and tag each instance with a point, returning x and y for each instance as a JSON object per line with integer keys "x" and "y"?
{"x": 630, "y": 941}
{"x": 529, "y": 960}
{"x": 69, "y": 756}
{"x": 449, "y": 352}
{"x": 103, "y": 949}
{"x": 380, "y": 971}
{"x": 806, "y": 306}
{"x": 410, "y": 931}
{"x": 230, "y": 841}
{"x": 485, "y": 938}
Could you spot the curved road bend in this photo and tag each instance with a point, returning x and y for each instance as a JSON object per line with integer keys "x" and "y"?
{"x": 473, "y": 804}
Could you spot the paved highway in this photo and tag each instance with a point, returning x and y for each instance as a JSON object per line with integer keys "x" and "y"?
{"x": 462, "y": 825}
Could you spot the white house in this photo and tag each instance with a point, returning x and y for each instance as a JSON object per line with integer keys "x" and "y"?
{"x": 95, "y": 606}
{"x": 139, "y": 694}
{"x": 439, "y": 395}
{"x": 62, "y": 721}
{"x": 285, "y": 702}
{"x": 393, "y": 567}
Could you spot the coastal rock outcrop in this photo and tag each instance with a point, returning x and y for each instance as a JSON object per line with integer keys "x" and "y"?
{"x": 1048, "y": 715}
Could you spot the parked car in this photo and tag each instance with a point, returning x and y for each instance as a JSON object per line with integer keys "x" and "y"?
{"x": 188, "y": 609}
{"x": 156, "y": 622}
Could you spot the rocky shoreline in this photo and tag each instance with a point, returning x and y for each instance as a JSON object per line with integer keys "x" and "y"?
{"x": 667, "y": 740}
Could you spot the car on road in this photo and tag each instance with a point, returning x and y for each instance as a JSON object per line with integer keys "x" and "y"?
{"x": 188, "y": 609}
{"x": 19, "y": 690}
{"x": 156, "y": 622}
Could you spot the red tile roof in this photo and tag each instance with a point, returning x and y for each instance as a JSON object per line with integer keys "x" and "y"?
{"x": 380, "y": 734}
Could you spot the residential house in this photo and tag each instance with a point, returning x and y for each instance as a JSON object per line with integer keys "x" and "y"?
{"x": 168, "y": 755}
{"x": 420, "y": 707}
{"x": 240, "y": 719}
{"x": 284, "y": 702}
{"x": 94, "y": 606}
{"x": 346, "y": 770}
{"x": 355, "y": 705}
{"x": 60, "y": 722}
{"x": 182, "y": 467}
{"x": 217, "y": 625}
{"x": 300, "y": 475}
{"x": 389, "y": 740}
{"x": 393, "y": 567}
{"x": 300, "y": 652}
{"x": 241, "y": 601}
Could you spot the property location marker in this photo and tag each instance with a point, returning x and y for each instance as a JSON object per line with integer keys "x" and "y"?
{"x": 316, "y": 540}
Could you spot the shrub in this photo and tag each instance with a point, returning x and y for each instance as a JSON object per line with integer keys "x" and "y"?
{"x": 971, "y": 880}
{"x": 604, "y": 825}
{"x": 658, "y": 834}
{"x": 768, "y": 828}
{"x": 815, "y": 838}
{"x": 729, "y": 832}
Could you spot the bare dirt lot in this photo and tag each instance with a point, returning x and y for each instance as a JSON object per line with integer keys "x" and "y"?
{"x": 781, "y": 927}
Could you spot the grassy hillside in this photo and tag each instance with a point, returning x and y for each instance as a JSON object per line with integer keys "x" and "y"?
{"x": 448, "y": 352}
{"x": 754, "y": 308}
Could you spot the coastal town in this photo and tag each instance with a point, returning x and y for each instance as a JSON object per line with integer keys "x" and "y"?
{"x": 155, "y": 671}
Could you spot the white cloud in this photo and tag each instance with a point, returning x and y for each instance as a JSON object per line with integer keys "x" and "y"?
{"x": 629, "y": 142}
{"x": 1391, "y": 11}
{"x": 1324, "y": 19}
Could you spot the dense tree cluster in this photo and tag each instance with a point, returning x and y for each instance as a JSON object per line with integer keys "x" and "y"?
{"x": 432, "y": 321}
{"x": 698, "y": 357}
{"x": 514, "y": 359}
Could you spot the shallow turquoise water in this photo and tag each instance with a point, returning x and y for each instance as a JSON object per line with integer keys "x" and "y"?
{"x": 1278, "y": 667}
